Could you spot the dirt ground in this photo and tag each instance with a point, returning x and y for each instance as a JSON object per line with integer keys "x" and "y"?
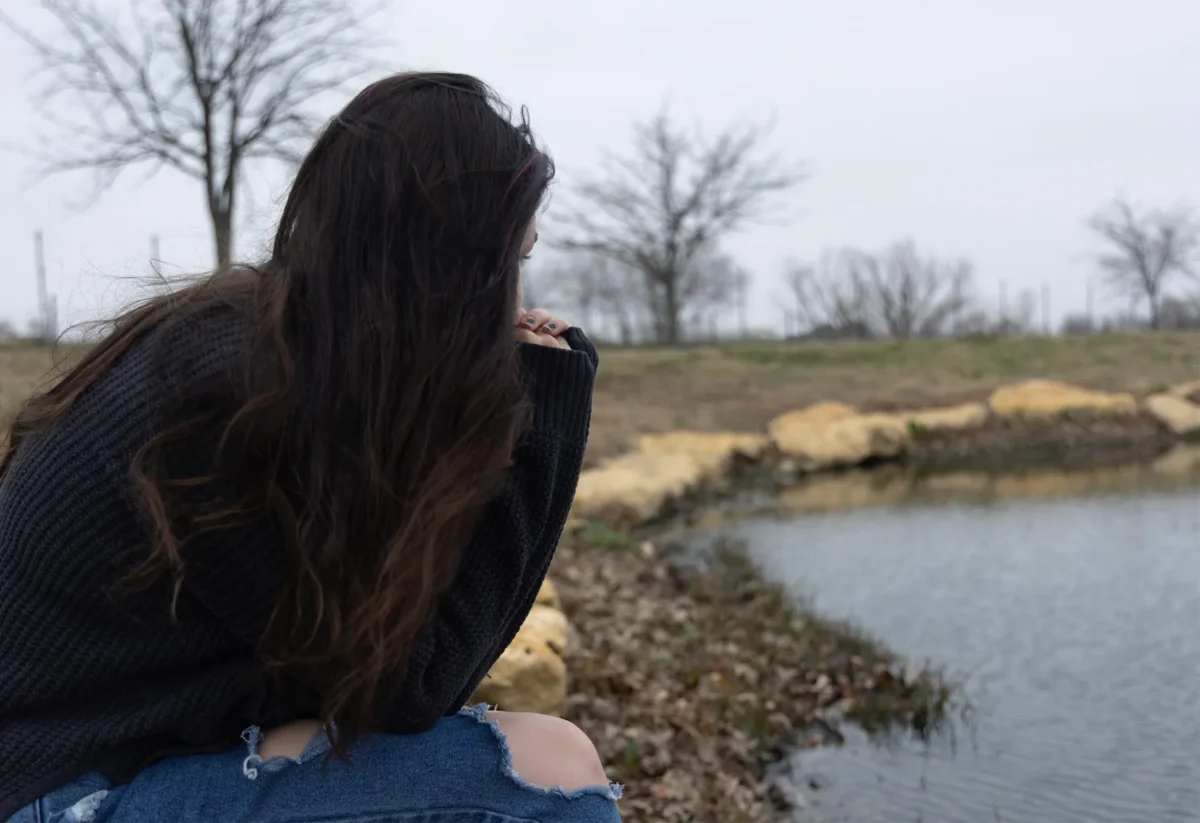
{"x": 741, "y": 386}
{"x": 692, "y": 683}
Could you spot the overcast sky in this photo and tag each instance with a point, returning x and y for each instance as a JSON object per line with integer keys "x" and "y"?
{"x": 980, "y": 128}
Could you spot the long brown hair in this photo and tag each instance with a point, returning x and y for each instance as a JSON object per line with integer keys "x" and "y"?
{"x": 378, "y": 397}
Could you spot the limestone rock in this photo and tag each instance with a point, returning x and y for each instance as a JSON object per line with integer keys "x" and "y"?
{"x": 548, "y": 595}
{"x": 829, "y": 437}
{"x": 1049, "y": 398}
{"x": 1187, "y": 391}
{"x": 636, "y": 487}
{"x": 530, "y": 675}
{"x": 723, "y": 446}
{"x": 949, "y": 418}
{"x": 824, "y": 411}
{"x": 1175, "y": 413}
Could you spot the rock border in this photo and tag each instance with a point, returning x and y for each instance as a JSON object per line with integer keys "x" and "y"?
{"x": 1023, "y": 422}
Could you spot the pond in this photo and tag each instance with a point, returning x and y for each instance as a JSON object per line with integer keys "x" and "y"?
{"x": 1076, "y": 622}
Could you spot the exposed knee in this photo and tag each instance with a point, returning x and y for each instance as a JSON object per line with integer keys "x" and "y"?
{"x": 550, "y": 752}
{"x": 289, "y": 740}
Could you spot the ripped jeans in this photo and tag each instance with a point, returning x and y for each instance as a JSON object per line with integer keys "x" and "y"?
{"x": 459, "y": 772}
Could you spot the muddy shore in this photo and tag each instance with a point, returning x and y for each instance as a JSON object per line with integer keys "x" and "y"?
{"x": 693, "y": 680}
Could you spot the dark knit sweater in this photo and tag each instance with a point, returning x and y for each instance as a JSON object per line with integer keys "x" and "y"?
{"x": 90, "y": 682}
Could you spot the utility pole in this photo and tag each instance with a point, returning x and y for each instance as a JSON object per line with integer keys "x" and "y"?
{"x": 39, "y": 264}
{"x": 739, "y": 283}
{"x": 155, "y": 258}
{"x": 1046, "y": 309}
{"x": 1004, "y": 307}
{"x": 1091, "y": 304}
{"x": 47, "y": 306}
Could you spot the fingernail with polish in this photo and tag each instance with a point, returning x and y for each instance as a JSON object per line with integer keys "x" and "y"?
{"x": 531, "y": 320}
{"x": 552, "y": 326}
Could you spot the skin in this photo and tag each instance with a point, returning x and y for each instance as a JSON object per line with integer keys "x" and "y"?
{"x": 546, "y": 751}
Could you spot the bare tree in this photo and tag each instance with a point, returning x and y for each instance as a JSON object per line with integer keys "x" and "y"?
{"x": 200, "y": 86}
{"x": 1078, "y": 324}
{"x": 1145, "y": 251}
{"x": 797, "y": 279}
{"x": 829, "y": 302}
{"x": 912, "y": 296}
{"x": 1180, "y": 313}
{"x": 1018, "y": 319}
{"x": 619, "y": 299}
{"x": 897, "y": 293}
{"x": 710, "y": 281}
{"x": 601, "y": 295}
{"x": 670, "y": 201}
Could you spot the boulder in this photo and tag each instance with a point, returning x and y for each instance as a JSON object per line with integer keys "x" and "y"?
{"x": 948, "y": 418}
{"x": 1050, "y": 398}
{"x": 548, "y": 595}
{"x": 530, "y": 675}
{"x": 824, "y": 411}
{"x": 832, "y": 435}
{"x": 1187, "y": 391}
{"x": 1177, "y": 414}
{"x": 716, "y": 449}
{"x": 637, "y": 487}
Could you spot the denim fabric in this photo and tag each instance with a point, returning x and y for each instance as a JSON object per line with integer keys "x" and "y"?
{"x": 459, "y": 772}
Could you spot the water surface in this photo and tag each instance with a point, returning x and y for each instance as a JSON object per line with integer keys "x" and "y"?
{"x": 1078, "y": 622}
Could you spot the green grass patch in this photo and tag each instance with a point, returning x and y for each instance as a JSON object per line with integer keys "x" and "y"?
{"x": 601, "y": 534}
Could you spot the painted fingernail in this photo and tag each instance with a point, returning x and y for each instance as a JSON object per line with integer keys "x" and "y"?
{"x": 552, "y": 326}
{"x": 531, "y": 320}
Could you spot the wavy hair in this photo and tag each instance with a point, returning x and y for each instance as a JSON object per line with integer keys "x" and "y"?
{"x": 375, "y": 407}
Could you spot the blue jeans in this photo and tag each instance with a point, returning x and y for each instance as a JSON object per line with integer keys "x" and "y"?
{"x": 459, "y": 772}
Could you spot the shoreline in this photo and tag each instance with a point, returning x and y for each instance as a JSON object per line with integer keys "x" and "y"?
{"x": 694, "y": 680}
{"x": 1027, "y": 424}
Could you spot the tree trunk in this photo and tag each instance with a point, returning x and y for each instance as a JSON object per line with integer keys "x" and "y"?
{"x": 1152, "y": 299}
{"x": 671, "y": 309}
{"x": 222, "y": 225}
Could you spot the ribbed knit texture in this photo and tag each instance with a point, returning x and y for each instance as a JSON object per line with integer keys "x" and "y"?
{"x": 90, "y": 681}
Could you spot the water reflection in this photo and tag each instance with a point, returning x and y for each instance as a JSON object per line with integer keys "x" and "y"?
{"x": 1075, "y": 618}
{"x": 1179, "y": 467}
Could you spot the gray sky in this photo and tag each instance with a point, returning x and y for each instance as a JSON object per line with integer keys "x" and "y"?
{"x": 980, "y": 128}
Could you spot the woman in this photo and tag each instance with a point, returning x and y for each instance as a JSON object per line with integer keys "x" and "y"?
{"x": 315, "y": 498}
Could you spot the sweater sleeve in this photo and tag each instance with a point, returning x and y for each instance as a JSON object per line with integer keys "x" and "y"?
{"x": 509, "y": 555}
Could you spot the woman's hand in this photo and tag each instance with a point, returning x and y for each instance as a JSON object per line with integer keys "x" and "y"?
{"x": 539, "y": 327}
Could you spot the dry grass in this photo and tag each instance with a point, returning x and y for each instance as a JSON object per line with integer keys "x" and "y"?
{"x": 24, "y": 368}
{"x": 741, "y": 386}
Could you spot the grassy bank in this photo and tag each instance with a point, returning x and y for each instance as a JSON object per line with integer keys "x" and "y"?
{"x": 742, "y": 386}
{"x": 692, "y": 679}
